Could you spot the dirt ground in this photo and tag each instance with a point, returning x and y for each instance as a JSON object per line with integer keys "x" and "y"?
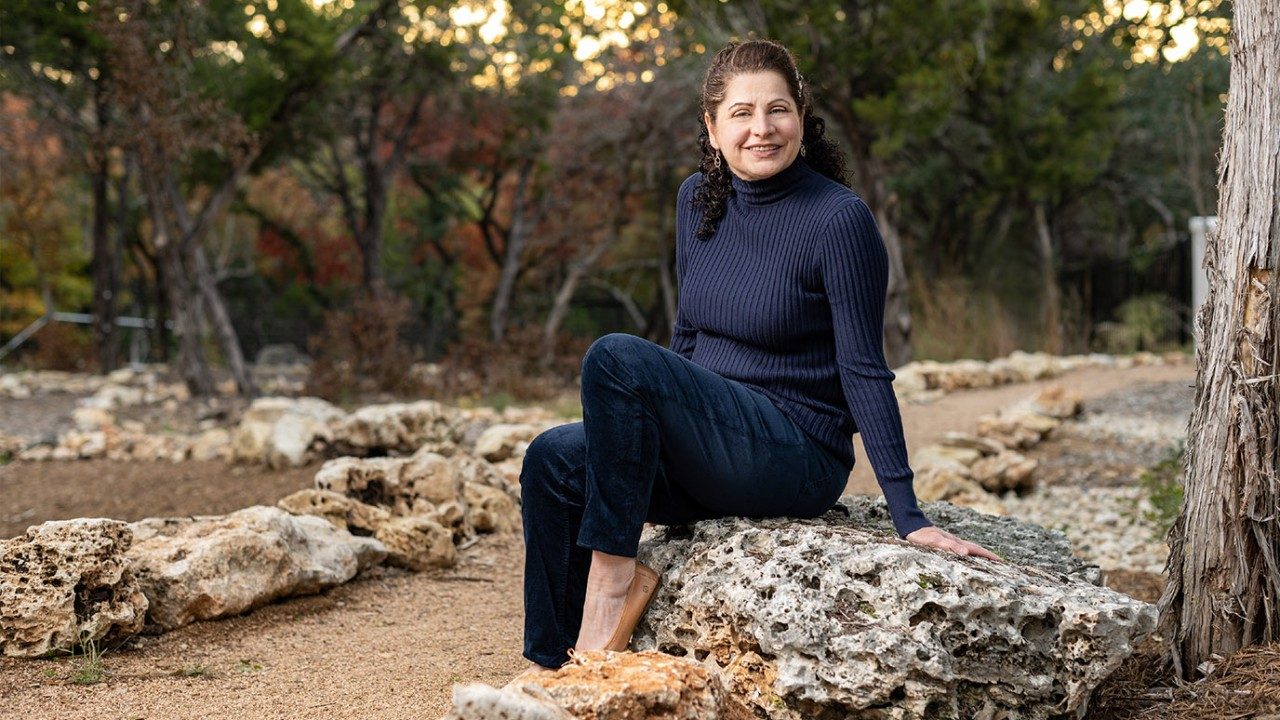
{"x": 388, "y": 645}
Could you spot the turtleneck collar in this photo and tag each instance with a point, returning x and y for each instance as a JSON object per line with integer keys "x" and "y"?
{"x": 771, "y": 189}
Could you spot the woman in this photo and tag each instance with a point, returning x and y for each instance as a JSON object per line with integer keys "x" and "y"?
{"x": 775, "y": 362}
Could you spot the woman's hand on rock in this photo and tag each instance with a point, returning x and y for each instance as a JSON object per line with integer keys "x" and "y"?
{"x": 942, "y": 540}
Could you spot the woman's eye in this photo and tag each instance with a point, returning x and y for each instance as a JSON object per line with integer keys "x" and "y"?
{"x": 778, "y": 109}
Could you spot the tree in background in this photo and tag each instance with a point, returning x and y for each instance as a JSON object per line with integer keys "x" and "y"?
{"x": 41, "y": 264}
{"x": 376, "y": 105}
{"x": 506, "y": 164}
{"x": 883, "y": 74}
{"x": 620, "y": 163}
{"x": 985, "y": 141}
{"x": 211, "y": 95}
{"x": 1224, "y": 565}
{"x": 56, "y": 58}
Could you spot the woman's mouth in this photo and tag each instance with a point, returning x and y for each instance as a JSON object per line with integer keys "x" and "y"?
{"x": 764, "y": 151}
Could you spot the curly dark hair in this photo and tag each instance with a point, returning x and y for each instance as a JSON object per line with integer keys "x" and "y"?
{"x": 821, "y": 152}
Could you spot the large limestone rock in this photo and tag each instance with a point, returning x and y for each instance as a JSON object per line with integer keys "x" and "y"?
{"x": 207, "y": 567}
{"x": 962, "y": 375}
{"x": 88, "y": 419}
{"x": 474, "y": 470}
{"x": 606, "y": 686}
{"x": 1008, "y": 470}
{"x": 489, "y": 509}
{"x": 477, "y": 701}
{"x": 284, "y": 432}
{"x": 938, "y": 483}
{"x": 1031, "y": 366}
{"x": 212, "y": 444}
{"x": 503, "y": 441}
{"x": 1019, "y": 428}
{"x": 984, "y": 446}
{"x": 341, "y": 511}
{"x": 429, "y": 502}
{"x": 945, "y": 456}
{"x": 1058, "y": 402}
{"x": 66, "y": 582}
{"x": 399, "y": 428}
{"x": 836, "y": 617}
{"x": 373, "y": 481}
{"x": 463, "y": 493}
{"x": 417, "y": 543}
{"x": 432, "y": 477}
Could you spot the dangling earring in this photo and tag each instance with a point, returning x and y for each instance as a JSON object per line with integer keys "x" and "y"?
{"x": 716, "y": 163}
{"x": 804, "y": 149}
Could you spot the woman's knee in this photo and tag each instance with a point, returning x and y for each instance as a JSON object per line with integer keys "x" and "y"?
{"x": 554, "y": 454}
{"x": 614, "y": 352}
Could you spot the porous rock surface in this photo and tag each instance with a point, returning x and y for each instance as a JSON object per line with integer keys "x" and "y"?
{"x": 602, "y": 685}
{"x": 836, "y": 617}
{"x": 504, "y": 441}
{"x": 66, "y": 582}
{"x": 462, "y": 493}
{"x": 395, "y": 428}
{"x": 207, "y": 567}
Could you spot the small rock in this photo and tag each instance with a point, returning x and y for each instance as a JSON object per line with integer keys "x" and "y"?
{"x": 65, "y": 582}
{"x": 1008, "y": 470}
{"x": 213, "y": 444}
{"x": 417, "y": 543}
{"x": 983, "y": 445}
{"x": 500, "y": 442}
{"x": 600, "y": 685}
{"x": 943, "y": 455}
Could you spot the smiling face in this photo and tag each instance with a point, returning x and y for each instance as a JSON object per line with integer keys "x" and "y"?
{"x": 757, "y": 127}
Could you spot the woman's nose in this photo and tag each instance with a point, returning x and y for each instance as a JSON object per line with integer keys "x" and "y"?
{"x": 761, "y": 125}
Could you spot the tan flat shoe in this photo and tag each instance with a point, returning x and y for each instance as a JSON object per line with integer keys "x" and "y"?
{"x": 639, "y": 594}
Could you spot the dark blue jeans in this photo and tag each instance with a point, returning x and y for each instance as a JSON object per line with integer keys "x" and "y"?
{"x": 664, "y": 441}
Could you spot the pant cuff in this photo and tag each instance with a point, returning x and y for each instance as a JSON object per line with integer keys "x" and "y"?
{"x": 608, "y": 542}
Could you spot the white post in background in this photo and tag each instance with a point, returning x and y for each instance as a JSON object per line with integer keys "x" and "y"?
{"x": 1200, "y": 229}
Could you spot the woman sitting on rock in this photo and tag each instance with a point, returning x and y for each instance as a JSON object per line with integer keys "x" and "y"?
{"x": 775, "y": 361}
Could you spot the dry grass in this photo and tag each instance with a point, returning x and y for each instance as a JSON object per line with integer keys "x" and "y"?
{"x": 478, "y": 371}
{"x": 361, "y": 350}
{"x": 60, "y": 346}
{"x": 952, "y": 320}
{"x": 1244, "y": 686}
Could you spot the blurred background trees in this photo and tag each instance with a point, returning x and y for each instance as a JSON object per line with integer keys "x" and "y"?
{"x": 490, "y": 185}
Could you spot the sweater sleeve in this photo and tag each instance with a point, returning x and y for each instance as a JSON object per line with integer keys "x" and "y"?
{"x": 683, "y": 334}
{"x": 855, "y": 275}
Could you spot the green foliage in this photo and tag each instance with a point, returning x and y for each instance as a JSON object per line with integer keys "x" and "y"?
{"x": 1163, "y": 486}
{"x": 1145, "y": 322}
{"x": 957, "y": 132}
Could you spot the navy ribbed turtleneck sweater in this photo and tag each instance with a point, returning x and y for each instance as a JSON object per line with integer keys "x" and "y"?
{"x": 787, "y": 297}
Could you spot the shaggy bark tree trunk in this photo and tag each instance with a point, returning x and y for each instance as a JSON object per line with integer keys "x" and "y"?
{"x": 1224, "y": 566}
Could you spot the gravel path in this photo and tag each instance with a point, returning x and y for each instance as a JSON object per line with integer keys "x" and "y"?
{"x": 1090, "y": 469}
